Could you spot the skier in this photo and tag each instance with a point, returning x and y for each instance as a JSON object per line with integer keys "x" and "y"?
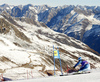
{"x": 85, "y": 66}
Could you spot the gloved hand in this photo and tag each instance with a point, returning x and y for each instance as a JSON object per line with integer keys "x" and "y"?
{"x": 73, "y": 67}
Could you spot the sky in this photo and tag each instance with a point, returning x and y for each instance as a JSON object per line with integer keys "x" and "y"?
{"x": 52, "y": 2}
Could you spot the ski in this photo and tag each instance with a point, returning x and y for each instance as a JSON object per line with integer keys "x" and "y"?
{"x": 75, "y": 73}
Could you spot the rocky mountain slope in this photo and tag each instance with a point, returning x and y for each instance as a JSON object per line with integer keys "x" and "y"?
{"x": 80, "y": 22}
{"x": 27, "y": 47}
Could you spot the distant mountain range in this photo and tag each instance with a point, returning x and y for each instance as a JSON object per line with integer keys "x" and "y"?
{"x": 80, "y": 22}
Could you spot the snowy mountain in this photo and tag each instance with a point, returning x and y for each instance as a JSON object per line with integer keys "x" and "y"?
{"x": 26, "y": 46}
{"x": 80, "y": 22}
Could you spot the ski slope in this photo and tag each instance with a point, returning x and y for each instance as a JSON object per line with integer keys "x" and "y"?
{"x": 94, "y": 76}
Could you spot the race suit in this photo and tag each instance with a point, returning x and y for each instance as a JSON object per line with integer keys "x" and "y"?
{"x": 85, "y": 65}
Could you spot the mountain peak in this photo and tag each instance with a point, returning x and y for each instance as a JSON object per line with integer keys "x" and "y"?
{"x": 4, "y": 5}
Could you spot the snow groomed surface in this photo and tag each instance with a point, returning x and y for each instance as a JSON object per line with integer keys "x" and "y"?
{"x": 94, "y": 76}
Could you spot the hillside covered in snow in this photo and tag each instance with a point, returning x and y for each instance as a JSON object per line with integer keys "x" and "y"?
{"x": 79, "y": 22}
{"x": 26, "y": 46}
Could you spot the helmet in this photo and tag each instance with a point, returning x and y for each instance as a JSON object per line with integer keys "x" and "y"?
{"x": 79, "y": 58}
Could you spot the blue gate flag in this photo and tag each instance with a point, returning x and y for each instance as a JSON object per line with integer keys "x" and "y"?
{"x": 56, "y": 54}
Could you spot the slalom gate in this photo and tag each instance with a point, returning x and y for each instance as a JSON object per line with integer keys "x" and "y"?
{"x": 29, "y": 74}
